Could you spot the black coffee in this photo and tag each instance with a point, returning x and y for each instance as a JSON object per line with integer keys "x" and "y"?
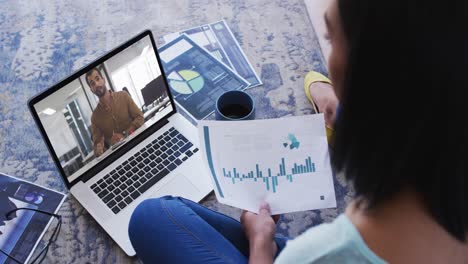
{"x": 235, "y": 111}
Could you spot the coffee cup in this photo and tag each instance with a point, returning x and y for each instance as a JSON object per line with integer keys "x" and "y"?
{"x": 235, "y": 105}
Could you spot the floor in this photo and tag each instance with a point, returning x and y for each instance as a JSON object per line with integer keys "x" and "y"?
{"x": 316, "y": 10}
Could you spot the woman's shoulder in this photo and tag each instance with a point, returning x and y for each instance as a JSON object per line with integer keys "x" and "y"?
{"x": 335, "y": 242}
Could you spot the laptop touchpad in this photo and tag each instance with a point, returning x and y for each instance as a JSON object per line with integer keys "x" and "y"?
{"x": 179, "y": 186}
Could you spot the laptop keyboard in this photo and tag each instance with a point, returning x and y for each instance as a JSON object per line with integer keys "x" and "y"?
{"x": 141, "y": 171}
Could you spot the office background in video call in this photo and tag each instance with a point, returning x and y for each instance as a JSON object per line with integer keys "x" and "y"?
{"x": 66, "y": 114}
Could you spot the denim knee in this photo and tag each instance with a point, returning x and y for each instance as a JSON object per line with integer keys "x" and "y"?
{"x": 145, "y": 211}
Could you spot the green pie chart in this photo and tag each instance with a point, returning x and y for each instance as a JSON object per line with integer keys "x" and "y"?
{"x": 186, "y": 81}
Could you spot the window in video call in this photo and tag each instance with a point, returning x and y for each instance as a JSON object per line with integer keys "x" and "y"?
{"x": 106, "y": 107}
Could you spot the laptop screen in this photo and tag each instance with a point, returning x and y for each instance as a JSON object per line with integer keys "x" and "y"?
{"x": 104, "y": 108}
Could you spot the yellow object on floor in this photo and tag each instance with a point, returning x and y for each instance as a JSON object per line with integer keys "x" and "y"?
{"x": 310, "y": 78}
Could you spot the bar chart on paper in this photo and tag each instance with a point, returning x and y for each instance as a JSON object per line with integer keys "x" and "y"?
{"x": 289, "y": 168}
{"x": 270, "y": 179}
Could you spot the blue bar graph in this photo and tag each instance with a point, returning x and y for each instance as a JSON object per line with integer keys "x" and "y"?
{"x": 307, "y": 168}
{"x": 272, "y": 179}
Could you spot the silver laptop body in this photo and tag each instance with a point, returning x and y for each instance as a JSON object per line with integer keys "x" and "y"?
{"x": 158, "y": 158}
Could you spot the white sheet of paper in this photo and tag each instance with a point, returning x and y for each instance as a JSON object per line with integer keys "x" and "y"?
{"x": 284, "y": 162}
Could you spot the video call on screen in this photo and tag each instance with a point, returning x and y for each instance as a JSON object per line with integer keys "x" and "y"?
{"x": 83, "y": 127}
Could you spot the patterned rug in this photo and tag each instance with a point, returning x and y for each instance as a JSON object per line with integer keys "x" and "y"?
{"x": 44, "y": 41}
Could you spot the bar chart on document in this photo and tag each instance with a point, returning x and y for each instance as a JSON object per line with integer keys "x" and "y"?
{"x": 284, "y": 162}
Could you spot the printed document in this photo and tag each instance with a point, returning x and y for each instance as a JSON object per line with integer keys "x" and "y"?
{"x": 284, "y": 162}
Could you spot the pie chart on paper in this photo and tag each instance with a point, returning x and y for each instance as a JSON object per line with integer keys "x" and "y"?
{"x": 186, "y": 81}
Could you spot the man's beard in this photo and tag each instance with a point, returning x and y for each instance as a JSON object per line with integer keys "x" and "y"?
{"x": 100, "y": 91}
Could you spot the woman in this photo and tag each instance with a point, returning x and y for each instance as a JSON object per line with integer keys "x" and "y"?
{"x": 398, "y": 68}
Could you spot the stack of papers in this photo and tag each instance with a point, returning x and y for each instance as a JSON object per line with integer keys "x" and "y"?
{"x": 203, "y": 62}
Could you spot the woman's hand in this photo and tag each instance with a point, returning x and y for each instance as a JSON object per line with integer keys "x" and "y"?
{"x": 260, "y": 231}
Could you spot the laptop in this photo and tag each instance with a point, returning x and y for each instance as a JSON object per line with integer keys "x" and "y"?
{"x": 111, "y": 153}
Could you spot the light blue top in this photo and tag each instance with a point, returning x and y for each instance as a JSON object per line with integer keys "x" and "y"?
{"x": 336, "y": 242}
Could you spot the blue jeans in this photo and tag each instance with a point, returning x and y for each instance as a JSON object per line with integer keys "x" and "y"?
{"x": 177, "y": 230}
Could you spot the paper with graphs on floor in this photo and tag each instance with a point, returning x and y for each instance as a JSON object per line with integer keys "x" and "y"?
{"x": 284, "y": 162}
{"x": 218, "y": 39}
{"x": 195, "y": 77}
{"x": 21, "y": 232}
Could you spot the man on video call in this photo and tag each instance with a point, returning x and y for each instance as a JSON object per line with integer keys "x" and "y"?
{"x": 115, "y": 117}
